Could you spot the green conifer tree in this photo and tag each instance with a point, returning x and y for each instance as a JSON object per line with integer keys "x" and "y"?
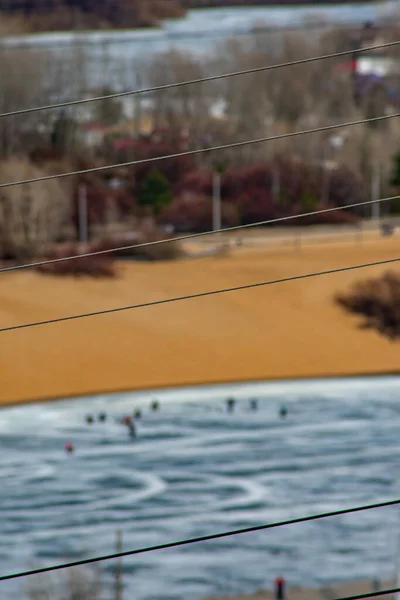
{"x": 155, "y": 192}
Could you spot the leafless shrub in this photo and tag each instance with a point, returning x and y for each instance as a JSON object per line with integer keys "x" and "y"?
{"x": 101, "y": 266}
{"x": 22, "y": 86}
{"x": 378, "y": 301}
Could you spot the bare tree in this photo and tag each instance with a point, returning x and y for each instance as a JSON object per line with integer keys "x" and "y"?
{"x": 188, "y": 107}
{"x": 282, "y": 100}
{"x": 32, "y": 216}
{"x": 22, "y": 86}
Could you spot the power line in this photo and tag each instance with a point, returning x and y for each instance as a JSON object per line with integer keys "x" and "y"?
{"x": 371, "y": 594}
{"x": 199, "y": 295}
{"x": 201, "y": 150}
{"x": 199, "y": 80}
{"x": 204, "y": 538}
{"x": 194, "y": 235}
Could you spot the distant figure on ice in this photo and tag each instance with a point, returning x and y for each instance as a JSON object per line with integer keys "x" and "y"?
{"x": 253, "y": 404}
{"x": 155, "y": 405}
{"x": 69, "y": 447}
{"x": 89, "y": 419}
{"x": 132, "y": 430}
{"x": 283, "y": 412}
{"x": 137, "y": 414}
{"x": 129, "y": 423}
{"x": 230, "y": 404}
{"x": 102, "y": 417}
{"x": 279, "y": 588}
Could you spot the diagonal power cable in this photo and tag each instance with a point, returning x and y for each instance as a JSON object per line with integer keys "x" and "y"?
{"x": 195, "y": 235}
{"x": 371, "y": 594}
{"x": 237, "y": 288}
{"x": 202, "y": 150}
{"x": 199, "y": 80}
{"x": 205, "y": 538}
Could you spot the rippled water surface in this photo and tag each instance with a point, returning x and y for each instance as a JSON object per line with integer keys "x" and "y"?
{"x": 193, "y": 470}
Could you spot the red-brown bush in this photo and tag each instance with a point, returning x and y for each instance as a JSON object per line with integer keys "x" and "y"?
{"x": 159, "y": 251}
{"x": 88, "y": 266}
{"x": 100, "y": 201}
{"x": 378, "y": 301}
{"x": 173, "y": 169}
{"x": 339, "y": 217}
{"x": 271, "y": 190}
{"x": 193, "y": 212}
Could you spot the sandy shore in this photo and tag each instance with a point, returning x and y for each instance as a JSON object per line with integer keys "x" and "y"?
{"x": 326, "y": 593}
{"x": 287, "y": 330}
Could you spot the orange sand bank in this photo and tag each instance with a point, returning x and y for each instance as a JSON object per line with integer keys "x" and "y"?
{"x": 286, "y": 330}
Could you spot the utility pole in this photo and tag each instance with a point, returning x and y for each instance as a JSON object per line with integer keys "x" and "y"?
{"x": 118, "y": 570}
{"x": 137, "y": 109}
{"x": 218, "y": 169}
{"x": 325, "y": 184}
{"x": 216, "y": 200}
{"x": 276, "y": 183}
{"x": 396, "y": 596}
{"x": 376, "y": 189}
{"x": 331, "y": 147}
{"x": 325, "y": 175}
{"x": 83, "y": 224}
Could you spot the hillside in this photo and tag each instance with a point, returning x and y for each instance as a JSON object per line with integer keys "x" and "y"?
{"x": 42, "y": 15}
{"x": 45, "y": 15}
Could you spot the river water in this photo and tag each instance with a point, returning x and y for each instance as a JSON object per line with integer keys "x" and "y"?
{"x": 193, "y": 470}
{"x": 111, "y": 57}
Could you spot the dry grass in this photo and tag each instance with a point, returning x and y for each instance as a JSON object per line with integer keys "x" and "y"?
{"x": 289, "y": 330}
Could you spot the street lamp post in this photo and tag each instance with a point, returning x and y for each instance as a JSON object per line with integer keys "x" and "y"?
{"x": 118, "y": 571}
{"x": 216, "y": 197}
{"x": 216, "y": 201}
{"x": 325, "y": 179}
{"x": 396, "y": 596}
{"x": 276, "y": 183}
{"x": 335, "y": 144}
{"x": 82, "y": 201}
{"x": 376, "y": 190}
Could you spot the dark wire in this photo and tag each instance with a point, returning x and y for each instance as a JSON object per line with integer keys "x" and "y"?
{"x": 203, "y": 150}
{"x": 183, "y": 238}
{"x": 371, "y": 594}
{"x": 236, "y": 288}
{"x": 205, "y": 538}
{"x": 197, "y": 81}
